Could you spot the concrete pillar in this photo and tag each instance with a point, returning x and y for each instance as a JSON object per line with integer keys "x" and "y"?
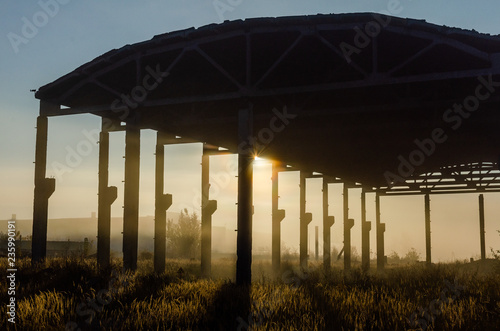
{"x": 162, "y": 203}
{"x": 365, "y": 235}
{"x": 316, "y": 244}
{"x": 381, "y": 239}
{"x": 348, "y": 224}
{"x": 44, "y": 187}
{"x": 245, "y": 196}
{"x": 380, "y": 235}
{"x": 328, "y": 221}
{"x": 208, "y": 207}
{"x": 481, "y": 227}
{"x": 427, "y": 228}
{"x": 106, "y": 197}
{"x": 131, "y": 196}
{"x": 305, "y": 219}
{"x": 277, "y": 216}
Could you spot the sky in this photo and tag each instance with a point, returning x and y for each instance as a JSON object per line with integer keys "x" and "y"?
{"x": 69, "y": 33}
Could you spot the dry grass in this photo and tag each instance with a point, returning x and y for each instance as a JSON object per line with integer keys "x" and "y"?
{"x": 442, "y": 297}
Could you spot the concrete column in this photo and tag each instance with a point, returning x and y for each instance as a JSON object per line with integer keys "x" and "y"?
{"x": 107, "y": 195}
{"x": 208, "y": 207}
{"x": 481, "y": 227}
{"x": 348, "y": 224}
{"x": 427, "y": 228}
{"x": 381, "y": 238}
{"x": 305, "y": 219}
{"x": 131, "y": 196}
{"x": 365, "y": 234}
{"x": 162, "y": 203}
{"x": 328, "y": 221}
{"x": 380, "y": 235}
{"x": 277, "y": 216}
{"x": 44, "y": 187}
{"x": 316, "y": 244}
{"x": 245, "y": 196}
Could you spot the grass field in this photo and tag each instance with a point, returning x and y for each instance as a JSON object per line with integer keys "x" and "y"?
{"x": 73, "y": 294}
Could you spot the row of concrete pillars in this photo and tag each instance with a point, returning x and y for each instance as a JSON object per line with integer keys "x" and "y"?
{"x": 328, "y": 221}
{"x": 44, "y": 187}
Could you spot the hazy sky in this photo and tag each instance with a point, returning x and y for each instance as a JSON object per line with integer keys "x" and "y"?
{"x": 75, "y": 32}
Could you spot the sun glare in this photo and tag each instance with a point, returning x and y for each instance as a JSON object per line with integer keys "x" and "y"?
{"x": 259, "y": 161}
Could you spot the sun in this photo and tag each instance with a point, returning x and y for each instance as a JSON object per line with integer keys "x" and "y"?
{"x": 258, "y": 161}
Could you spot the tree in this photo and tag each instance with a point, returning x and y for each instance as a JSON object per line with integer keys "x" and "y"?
{"x": 354, "y": 254}
{"x": 394, "y": 258}
{"x": 183, "y": 237}
{"x": 496, "y": 254}
{"x": 412, "y": 256}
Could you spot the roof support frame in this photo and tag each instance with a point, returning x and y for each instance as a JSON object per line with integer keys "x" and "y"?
{"x": 442, "y": 39}
{"x": 280, "y": 59}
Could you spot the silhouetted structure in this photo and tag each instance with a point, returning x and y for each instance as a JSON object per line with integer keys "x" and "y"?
{"x": 405, "y": 108}
{"x": 277, "y": 216}
{"x": 316, "y": 243}
{"x": 328, "y": 222}
{"x": 107, "y": 195}
{"x": 481, "y": 227}
{"x": 365, "y": 234}
{"x": 427, "y": 200}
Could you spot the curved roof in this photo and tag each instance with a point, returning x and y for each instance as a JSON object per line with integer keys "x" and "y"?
{"x": 364, "y": 88}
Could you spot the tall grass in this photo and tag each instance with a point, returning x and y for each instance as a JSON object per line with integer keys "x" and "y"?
{"x": 61, "y": 291}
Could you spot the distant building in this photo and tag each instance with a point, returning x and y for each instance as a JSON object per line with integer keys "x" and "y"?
{"x": 54, "y": 248}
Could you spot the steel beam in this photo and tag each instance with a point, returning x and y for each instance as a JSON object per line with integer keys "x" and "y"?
{"x": 427, "y": 202}
{"x": 131, "y": 196}
{"x": 476, "y": 190}
{"x": 208, "y": 207}
{"x": 305, "y": 219}
{"x": 365, "y": 234}
{"x": 277, "y": 216}
{"x": 44, "y": 187}
{"x": 481, "y": 227}
{"x": 107, "y": 195}
{"x": 380, "y": 234}
{"x": 327, "y": 224}
{"x": 245, "y": 196}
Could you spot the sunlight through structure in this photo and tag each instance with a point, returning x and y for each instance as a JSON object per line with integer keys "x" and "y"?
{"x": 395, "y": 106}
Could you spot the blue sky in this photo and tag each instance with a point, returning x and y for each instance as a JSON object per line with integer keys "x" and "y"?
{"x": 79, "y": 31}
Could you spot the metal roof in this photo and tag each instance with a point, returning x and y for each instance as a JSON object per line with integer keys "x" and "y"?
{"x": 364, "y": 88}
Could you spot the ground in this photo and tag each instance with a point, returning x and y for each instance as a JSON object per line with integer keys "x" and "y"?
{"x": 73, "y": 294}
